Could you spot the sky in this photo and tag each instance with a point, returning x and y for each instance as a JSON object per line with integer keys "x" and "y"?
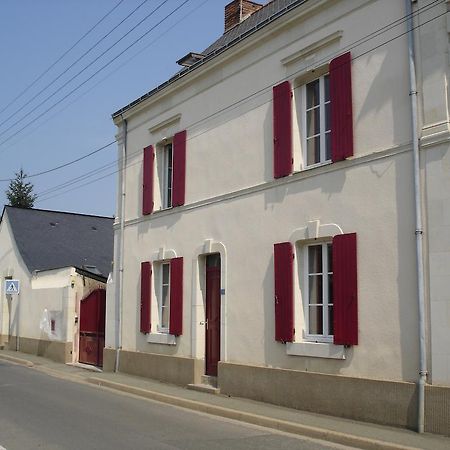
{"x": 66, "y": 67}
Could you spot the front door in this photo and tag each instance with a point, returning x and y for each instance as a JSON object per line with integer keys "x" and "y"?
{"x": 212, "y": 314}
{"x": 92, "y": 328}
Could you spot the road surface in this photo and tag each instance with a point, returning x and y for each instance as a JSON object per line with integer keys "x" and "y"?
{"x": 38, "y": 411}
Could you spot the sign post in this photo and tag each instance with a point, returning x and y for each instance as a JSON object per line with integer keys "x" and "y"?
{"x": 12, "y": 287}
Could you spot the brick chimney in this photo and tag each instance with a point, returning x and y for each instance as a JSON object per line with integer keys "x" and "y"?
{"x": 237, "y": 11}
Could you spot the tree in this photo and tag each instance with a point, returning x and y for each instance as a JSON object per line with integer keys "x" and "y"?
{"x": 20, "y": 193}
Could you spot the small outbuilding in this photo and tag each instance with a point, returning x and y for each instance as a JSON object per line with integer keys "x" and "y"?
{"x": 61, "y": 261}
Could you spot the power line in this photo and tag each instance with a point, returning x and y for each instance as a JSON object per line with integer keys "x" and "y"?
{"x": 60, "y": 58}
{"x": 259, "y": 93}
{"x": 160, "y": 36}
{"x": 98, "y": 71}
{"x": 368, "y": 37}
{"x": 79, "y": 72}
{"x": 236, "y": 103}
{"x": 69, "y": 163}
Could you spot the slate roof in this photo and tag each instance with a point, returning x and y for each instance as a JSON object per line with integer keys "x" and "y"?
{"x": 259, "y": 19}
{"x": 53, "y": 239}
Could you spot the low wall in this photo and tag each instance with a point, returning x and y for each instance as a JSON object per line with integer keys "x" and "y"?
{"x": 109, "y": 359}
{"x": 170, "y": 369}
{"x": 376, "y": 401}
{"x": 437, "y": 409}
{"x": 54, "y": 350}
{"x": 3, "y": 339}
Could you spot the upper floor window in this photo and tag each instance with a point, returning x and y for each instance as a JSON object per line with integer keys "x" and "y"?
{"x": 164, "y": 185}
{"x": 167, "y": 176}
{"x": 318, "y": 126}
{"x": 317, "y": 121}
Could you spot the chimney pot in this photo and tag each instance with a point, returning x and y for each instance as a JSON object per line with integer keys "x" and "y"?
{"x": 237, "y": 11}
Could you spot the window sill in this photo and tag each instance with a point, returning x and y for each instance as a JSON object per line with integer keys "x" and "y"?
{"x": 315, "y": 350}
{"x": 161, "y": 338}
{"x": 315, "y": 166}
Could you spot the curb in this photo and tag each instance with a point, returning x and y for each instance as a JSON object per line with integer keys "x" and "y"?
{"x": 20, "y": 361}
{"x": 254, "y": 419}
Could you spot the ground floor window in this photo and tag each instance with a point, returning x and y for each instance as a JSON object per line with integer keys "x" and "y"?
{"x": 319, "y": 291}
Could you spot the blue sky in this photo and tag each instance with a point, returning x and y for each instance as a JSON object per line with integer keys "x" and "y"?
{"x": 33, "y": 35}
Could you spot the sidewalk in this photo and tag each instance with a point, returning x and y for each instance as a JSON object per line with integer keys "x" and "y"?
{"x": 332, "y": 429}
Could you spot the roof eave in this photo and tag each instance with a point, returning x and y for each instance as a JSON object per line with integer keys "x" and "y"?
{"x": 207, "y": 58}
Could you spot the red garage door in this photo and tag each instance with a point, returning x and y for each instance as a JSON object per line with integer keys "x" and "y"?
{"x": 92, "y": 328}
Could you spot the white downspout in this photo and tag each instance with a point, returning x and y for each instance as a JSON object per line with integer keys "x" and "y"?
{"x": 419, "y": 227}
{"x": 121, "y": 246}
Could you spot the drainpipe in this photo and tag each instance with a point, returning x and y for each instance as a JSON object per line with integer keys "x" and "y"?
{"x": 419, "y": 228}
{"x": 121, "y": 246}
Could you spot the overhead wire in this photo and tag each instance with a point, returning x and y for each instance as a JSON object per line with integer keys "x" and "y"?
{"x": 257, "y": 93}
{"x": 368, "y": 37}
{"x": 98, "y": 71}
{"x": 60, "y": 88}
{"x": 39, "y": 77}
{"x": 113, "y": 72}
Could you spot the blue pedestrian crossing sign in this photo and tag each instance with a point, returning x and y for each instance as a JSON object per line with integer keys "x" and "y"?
{"x": 12, "y": 287}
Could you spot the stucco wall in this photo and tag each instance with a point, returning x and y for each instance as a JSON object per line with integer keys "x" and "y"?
{"x": 438, "y": 196}
{"x": 58, "y": 291}
{"x": 232, "y": 199}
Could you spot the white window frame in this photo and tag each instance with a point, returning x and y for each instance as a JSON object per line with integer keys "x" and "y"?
{"x": 325, "y": 336}
{"x": 322, "y": 132}
{"x": 160, "y": 327}
{"x": 166, "y": 186}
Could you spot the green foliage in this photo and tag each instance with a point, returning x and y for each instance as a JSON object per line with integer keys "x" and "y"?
{"x": 20, "y": 193}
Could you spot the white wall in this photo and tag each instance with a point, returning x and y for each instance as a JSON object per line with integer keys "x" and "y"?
{"x": 232, "y": 198}
{"x": 58, "y": 291}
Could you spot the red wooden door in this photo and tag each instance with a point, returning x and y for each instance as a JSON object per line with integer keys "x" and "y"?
{"x": 92, "y": 328}
{"x": 212, "y": 314}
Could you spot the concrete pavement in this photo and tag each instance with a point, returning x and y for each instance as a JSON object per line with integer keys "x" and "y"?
{"x": 331, "y": 429}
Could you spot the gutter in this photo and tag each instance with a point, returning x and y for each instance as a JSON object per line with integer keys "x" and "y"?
{"x": 418, "y": 223}
{"x": 88, "y": 274}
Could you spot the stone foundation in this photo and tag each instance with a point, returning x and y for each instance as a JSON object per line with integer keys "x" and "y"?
{"x": 56, "y": 351}
{"x": 170, "y": 369}
{"x": 376, "y": 401}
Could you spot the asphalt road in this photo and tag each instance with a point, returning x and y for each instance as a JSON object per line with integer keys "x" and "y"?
{"x": 38, "y": 411}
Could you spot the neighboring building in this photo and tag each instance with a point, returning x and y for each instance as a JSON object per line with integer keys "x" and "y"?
{"x": 266, "y": 232}
{"x": 59, "y": 259}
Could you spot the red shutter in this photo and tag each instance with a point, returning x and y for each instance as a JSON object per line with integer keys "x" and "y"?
{"x": 341, "y": 107}
{"x": 146, "y": 286}
{"x": 345, "y": 290}
{"x": 147, "y": 189}
{"x": 179, "y": 168}
{"x": 284, "y": 292}
{"x": 282, "y": 130}
{"x": 176, "y": 297}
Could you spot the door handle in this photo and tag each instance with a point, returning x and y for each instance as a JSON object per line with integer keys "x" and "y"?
{"x": 204, "y": 323}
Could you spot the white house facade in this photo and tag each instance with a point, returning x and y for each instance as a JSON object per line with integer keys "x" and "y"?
{"x": 266, "y": 236}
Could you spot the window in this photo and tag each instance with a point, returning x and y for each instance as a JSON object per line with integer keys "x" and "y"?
{"x": 163, "y": 301}
{"x": 317, "y": 127}
{"x": 166, "y": 314}
{"x": 317, "y": 121}
{"x": 167, "y": 176}
{"x": 328, "y": 286}
{"x": 318, "y": 298}
{"x": 164, "y": 177}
